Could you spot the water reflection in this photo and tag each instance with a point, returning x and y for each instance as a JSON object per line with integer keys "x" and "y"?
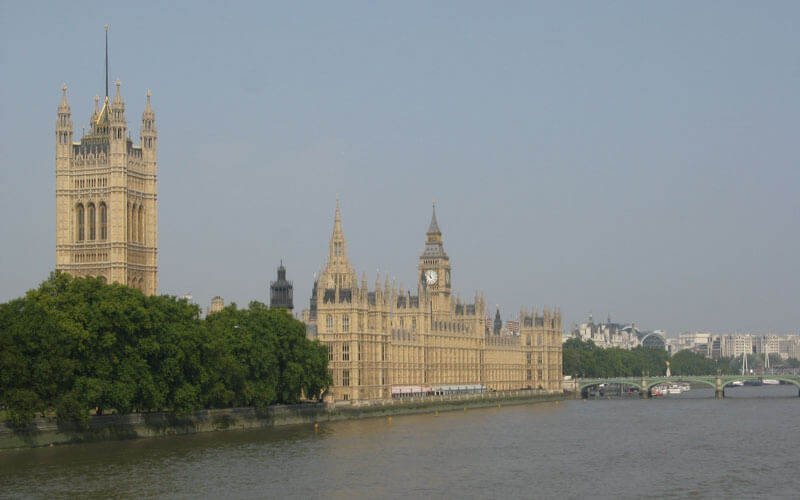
{"x": 686, "y": 445}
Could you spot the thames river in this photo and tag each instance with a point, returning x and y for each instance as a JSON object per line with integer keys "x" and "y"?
{"x": 747, "y": 445}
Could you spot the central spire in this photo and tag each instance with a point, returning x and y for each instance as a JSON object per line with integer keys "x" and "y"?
{"x": 338, "y": 247}
{"x": 434, "y": 227}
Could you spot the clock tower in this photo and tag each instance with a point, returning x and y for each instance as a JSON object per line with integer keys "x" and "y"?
{"x": 434, "y": 268}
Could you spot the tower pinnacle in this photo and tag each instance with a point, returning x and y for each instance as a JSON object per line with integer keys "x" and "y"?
{"x": 434, "y": 227}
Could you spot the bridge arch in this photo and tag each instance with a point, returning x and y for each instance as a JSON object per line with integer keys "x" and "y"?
{"x": 709, "y": 381}
{"x": 585, "y": 385}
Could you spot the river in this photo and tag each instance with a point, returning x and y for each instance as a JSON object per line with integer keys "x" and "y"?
{"x": 692, "y": 445}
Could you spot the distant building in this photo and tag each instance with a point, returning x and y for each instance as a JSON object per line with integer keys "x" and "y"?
{"x": 624, "y": 336}
{"x": 733, "y": 346}
{"x": 789, "y": 346}
{"x": 281, "y": 291}
{"x": 217, "y": 304}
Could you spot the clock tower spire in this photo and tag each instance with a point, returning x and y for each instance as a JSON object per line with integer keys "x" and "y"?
{"x": 434, "y": 267}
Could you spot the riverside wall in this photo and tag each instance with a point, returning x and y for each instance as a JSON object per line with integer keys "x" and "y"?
{"x": 47, "y": 431}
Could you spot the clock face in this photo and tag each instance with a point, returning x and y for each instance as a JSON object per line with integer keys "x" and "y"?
{"x": 431, "y": 277}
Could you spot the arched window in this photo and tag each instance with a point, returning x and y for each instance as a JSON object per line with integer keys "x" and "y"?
{"x": 127, "y": 216}
{"x": 345, "y": 324}
{"x": 133, "y": 222}
{"x": 90, "y": 216}
{"x": 329, "y": 323}
{"x": 103, "y": 221}
{"x": 140, "y": 230}
{"x": 79, "y": 217}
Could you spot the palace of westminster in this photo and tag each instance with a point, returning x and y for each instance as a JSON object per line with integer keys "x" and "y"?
{"x": 381, "y": 343}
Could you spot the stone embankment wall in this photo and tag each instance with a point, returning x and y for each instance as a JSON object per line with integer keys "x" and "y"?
{"x": 46, "y": 431}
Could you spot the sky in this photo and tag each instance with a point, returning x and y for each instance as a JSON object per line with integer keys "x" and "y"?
{"x": 631, "y": 160}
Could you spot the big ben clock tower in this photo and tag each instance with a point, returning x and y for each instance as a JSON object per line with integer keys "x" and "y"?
{"x": 434, "y": 268}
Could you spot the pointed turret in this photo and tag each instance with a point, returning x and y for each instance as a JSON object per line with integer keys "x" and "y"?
{"x": 63, "y": 106}
{"x": 96, "y": 112}
{"x": 149, "y": 134}
{"x": 64, "y": 124}
{"x": 337, "y": 253}
{"x": 63, "y": 134}
{"x": 117, "y": 123}
{"x": 433, "y": 228}
{"x": 118, "y": 102}
{"x": 338, "y": 273}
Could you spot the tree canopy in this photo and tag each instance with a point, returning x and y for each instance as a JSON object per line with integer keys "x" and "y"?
{"x": 75, "y": 344}
{"x": 586, "y": 360}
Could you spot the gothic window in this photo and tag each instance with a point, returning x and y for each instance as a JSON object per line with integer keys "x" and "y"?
{"x": 90, "y": 216}
{"x": 401, "y": 322}
{"x": 539, "y": 358}
{"x": 140, "y": 231}
{"x": 529, "y": 374}
{"x": 131, "y": 222}
{"x": 103, "y": 221}
{"x": 345, "y": 378}
{"x": 79, "y": 216}
{"x": 539, "y": 339}
{"x": 413, "y": 323}
{"x": 528, "y": 340}
{"x": 345, "y": 352}
{"x": 345, "y": 324}
{"x": 329, "y": 323}
{"x": 330, "y": 352}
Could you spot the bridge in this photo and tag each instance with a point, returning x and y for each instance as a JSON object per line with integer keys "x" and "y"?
{"x": 717, "y": 382}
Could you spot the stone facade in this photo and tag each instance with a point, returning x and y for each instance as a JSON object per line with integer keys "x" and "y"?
{"x": 106, "y": 197}
{"x": 386, "y": 337}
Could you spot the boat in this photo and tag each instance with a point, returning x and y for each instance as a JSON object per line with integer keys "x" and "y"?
{"x": 737, "y": 383}
{"x": 770, "y": 381}
{"x": 674, "y": 389}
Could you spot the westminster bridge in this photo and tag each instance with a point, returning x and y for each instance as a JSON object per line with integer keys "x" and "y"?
{"x": 717, "y": 382}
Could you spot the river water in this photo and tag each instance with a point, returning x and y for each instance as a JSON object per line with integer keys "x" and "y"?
{"x": 692, "y": 445}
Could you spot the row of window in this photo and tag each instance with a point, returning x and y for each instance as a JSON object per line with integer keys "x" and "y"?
{"x": 529, "y": 375}
{"x": 539, "y": 357}
{"x": 87, "y": 221}
{"x": 135, "y": 223}
{"x": 538, "y": 339}
{"x": 91, "y": 222}
{"x": 82, "y": 257}
{"x": 91, "y": 183}
{"x": 346, "y": 353}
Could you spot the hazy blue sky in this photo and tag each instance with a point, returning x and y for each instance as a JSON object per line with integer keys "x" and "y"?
{"x": 637, "y": 159}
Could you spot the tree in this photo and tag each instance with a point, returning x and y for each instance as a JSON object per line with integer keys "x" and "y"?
{"x": 80, "y": 344}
